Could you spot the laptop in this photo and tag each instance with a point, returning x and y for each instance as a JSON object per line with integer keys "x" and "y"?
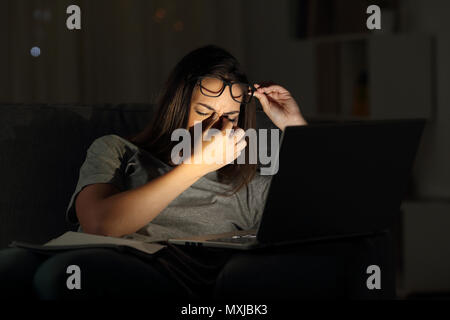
{"x": 334, "y": 180}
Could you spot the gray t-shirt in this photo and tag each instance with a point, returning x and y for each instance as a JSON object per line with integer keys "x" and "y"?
{"x": 201, "y": 209}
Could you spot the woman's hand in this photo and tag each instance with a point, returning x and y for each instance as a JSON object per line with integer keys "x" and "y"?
{"x": 279, "y": 105}
{"x": 216, "y": 147}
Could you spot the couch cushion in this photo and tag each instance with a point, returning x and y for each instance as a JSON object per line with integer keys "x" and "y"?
{"x": 43, "y": 147}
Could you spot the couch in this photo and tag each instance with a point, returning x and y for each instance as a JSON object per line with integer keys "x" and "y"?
{"x": 43, "y": 147}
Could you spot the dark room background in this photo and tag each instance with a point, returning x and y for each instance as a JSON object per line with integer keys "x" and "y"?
{"x": 319, "y": 50}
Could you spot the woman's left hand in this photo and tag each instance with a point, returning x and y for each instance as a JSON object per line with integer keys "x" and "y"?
{"x": 279, "y": 105}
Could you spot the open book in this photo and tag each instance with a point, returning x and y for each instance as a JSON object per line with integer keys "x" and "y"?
{"x": 77, "y": 240}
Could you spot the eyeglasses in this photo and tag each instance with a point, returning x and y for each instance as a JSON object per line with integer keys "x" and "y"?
{"x": 211, "y": 86}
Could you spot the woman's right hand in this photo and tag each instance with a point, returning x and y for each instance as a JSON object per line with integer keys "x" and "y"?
{"x": 104, "y": 210}
{"x": 216, "y": 147}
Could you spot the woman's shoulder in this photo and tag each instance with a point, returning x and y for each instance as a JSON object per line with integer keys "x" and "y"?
{"x": 112, "y": 143}
{"x": 118, "y": 146}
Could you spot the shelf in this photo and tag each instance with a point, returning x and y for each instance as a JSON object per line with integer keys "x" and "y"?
{"x": 376, "y": 77}
{"x": 370, "y": 77}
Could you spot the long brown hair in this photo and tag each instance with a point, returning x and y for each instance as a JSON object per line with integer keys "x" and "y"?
{"x": 174, "y": 104}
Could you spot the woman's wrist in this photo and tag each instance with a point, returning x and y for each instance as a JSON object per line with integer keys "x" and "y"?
{"x": 298, "y": 121}
{"x": 191, "y": 171}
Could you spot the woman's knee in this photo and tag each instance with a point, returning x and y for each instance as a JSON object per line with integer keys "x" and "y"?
{"x": 17, "y": 268}
{"x": 98, "y": 273}
{"x": 279, "y": 276}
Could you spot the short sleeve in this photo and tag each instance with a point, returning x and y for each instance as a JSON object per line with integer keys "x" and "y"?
{"x": 104, "y": 163}
{"x": 258, "y": 190}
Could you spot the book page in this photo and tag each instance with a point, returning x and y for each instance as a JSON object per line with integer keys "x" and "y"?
{"x": 78, "y": 238}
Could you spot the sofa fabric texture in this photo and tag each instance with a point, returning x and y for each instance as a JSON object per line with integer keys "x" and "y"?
{"x": 42, "y": 149}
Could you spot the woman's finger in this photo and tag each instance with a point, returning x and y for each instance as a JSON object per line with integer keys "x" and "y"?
{"x": 263, "y": 100}
{"x": 239, "y": 134}
{"x": 209, "y": 122}
{"x": 240, "y": 146}
{"x": 273, "y": 94}
{"x": 226, "y": 125}
{"x": 273, "y": 89}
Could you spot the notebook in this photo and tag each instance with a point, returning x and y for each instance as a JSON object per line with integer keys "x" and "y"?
{"x": 78, "y": 240}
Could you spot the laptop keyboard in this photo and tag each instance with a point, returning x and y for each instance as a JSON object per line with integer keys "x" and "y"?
{"x": 236, "y": 239}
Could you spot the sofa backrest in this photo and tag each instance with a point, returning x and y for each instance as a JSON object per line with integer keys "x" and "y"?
{"x": 42, "y": 150}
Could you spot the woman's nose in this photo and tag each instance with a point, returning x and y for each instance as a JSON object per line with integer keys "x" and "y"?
{"x": 218, "y": 124}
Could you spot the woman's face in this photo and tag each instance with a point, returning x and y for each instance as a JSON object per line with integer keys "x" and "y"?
{"x": 202, "y": 107}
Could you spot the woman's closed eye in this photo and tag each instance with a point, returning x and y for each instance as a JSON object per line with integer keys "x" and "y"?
{"x": 202, "y": 113}
{"x": 208, "y": 114}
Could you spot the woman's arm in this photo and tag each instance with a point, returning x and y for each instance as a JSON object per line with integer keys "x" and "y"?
{"x": 279, "y": 105}
{"x": 102, "y": 209}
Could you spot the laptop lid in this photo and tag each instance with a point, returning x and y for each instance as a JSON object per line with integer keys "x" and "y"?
{"x": 338, "y": 179}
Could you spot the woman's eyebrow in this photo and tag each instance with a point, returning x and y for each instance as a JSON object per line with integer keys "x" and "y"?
{"x": 212, "y": 109}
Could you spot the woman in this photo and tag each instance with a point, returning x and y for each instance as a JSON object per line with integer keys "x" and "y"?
{"x": 140, "y": 200}
{"x": 132, "y": 188}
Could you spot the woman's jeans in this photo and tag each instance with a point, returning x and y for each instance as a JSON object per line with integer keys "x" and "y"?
{"x": 336, "y": 269}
